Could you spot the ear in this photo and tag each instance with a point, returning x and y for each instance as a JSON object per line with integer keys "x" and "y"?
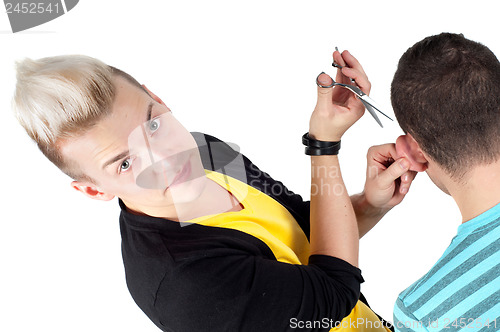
{"x": 407, "y": 147}
{"x": 91, "y": 191}
{"x": 155, "y": 97}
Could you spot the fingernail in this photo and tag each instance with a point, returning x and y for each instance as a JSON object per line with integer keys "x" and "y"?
{"x": 405, "y": 178}
{"x": 322, "y": 80}
{"x": 404, "y": 190}
{"x": 404, "y": 164}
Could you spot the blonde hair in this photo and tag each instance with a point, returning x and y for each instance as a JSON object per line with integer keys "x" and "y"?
{"x": 61, "y": 97}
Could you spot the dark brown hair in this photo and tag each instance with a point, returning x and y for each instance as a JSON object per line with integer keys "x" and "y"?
{"x": 446, "y": 94}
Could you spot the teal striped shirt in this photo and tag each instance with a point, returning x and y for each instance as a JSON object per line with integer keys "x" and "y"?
{"x": 462, "y": 290}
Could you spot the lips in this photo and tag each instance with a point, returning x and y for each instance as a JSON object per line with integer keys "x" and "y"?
{"x": 182, "y": 176}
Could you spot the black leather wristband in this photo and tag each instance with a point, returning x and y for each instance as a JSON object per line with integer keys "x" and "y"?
{"x": 318, "y": 148}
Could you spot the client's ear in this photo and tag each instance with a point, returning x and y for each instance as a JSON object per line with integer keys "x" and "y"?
{"x": 91, "y": 191}
{"x": 407, "y": 147}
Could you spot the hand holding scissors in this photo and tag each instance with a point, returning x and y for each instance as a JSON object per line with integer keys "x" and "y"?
{"x": 338, "y": 109}
{"x": 343, "y": 79}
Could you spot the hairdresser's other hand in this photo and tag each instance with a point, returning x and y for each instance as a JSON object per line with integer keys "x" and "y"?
{"x": 388, "y": 178}
{"x": 337, "y": 108}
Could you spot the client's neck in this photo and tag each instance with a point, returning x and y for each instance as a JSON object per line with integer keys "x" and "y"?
{"x": 481, "y": 191}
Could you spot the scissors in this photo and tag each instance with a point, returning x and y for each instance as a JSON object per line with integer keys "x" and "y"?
{"x": 369, "y": 103}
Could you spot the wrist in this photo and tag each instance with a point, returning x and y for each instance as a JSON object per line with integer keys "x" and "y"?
{"x": 364, "y": 208}
{"x": 316, "y": 147}
{"x": 330, "y": 138}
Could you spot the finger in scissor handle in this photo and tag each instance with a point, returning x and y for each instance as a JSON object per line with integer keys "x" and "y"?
{"x": 352, "y": 62}
{"x": 335, "y": 64}
{"x": 360, "y": 77}
{"x": 340, "y": 67}
{"x": 338, "y": 61}
{"x": 344, "y": 61}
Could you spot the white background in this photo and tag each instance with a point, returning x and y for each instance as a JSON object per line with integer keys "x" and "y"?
{"x": 243, "y": 71}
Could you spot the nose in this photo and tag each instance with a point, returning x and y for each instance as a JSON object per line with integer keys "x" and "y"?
{"x": 152, "y": 177}
{"x": 155, "y": 176}
{"x": 160, "y": 167}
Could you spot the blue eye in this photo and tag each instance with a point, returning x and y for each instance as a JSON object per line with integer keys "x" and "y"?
{"x": 154, "y": 125}
{"x": 126, "y": 164}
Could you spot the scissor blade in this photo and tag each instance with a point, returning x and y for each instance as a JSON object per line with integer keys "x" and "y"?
{"x": 372, "y": 103}
{"x": 370, "y": 109}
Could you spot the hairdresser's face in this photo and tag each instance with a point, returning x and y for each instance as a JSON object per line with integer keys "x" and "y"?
{"x": 139, "y": 153}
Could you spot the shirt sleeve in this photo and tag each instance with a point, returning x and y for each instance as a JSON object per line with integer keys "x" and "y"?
{"x": 230, "y": 291}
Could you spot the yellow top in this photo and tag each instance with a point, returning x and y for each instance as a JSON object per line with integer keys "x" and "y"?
{"x": 267, "y": 220}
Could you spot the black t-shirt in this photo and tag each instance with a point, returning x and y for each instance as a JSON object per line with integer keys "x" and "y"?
{"x": 205, "y": 278}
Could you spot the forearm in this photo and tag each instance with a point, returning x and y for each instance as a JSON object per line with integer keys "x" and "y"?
{"x": 334, "y": 231}
{"x": 367, "y": 215}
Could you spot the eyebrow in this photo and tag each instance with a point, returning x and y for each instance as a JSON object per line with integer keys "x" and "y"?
{"x": 125, "y": 153}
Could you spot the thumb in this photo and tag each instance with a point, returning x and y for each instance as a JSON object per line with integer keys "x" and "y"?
{"x": 398, "y": 168}
{"x": 325, "y": 89}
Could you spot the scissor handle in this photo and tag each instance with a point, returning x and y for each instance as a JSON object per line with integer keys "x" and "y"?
{"x": 353, "y": 88}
